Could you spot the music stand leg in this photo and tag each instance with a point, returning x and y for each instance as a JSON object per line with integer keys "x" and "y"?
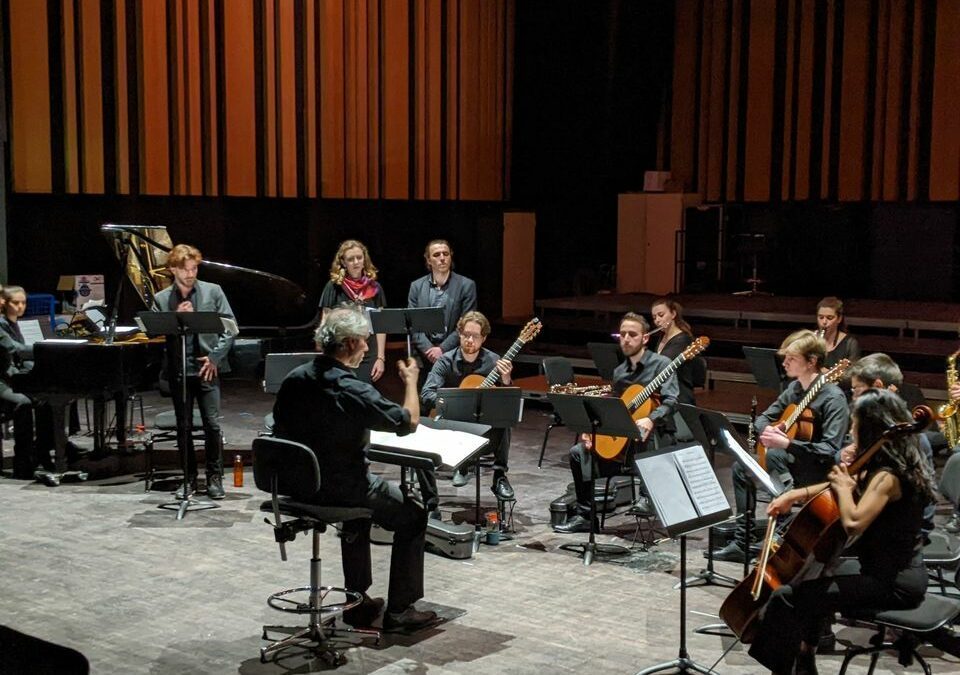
{"x": 683, "y": 663}
{"x": 708, "y": 576}
{"x": 184, "y": 428}
{"x": 590, "y": 548}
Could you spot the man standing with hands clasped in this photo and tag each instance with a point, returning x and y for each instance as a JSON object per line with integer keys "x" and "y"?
{"x": 206, "y": 359}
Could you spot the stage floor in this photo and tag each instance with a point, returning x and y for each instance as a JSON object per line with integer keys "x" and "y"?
{"x": 98, "y": 567}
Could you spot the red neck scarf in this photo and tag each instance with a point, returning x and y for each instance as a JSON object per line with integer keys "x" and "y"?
{"x": 360, "y": 290}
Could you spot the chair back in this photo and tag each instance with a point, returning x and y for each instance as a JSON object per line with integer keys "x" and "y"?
{"x": 277, "y": 366}
{"x": 292, "y": 464}
{"x": 558, "y": 370}
{"x": 950, "y": 479}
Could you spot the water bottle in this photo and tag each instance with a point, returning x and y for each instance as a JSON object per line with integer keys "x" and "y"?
{"x": 238, "y": 471}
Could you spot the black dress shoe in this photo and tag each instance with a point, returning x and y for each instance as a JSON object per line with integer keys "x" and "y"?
{"x": 642, "y": 507}
{"x": 365, "y": 613}
{"x": 409, "y": 619}
{"x": 460, "y": 478}
{"x": 502, "y": 489}
{"x": 191, "y": 489}
{"x": 576, "y": 524}
{"x": 215, "y": 486}
{"x": 730, "y": 553}
{"x": 953, "y": 525}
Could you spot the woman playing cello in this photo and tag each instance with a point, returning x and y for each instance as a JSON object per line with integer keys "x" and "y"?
{"x": 883, "y": 505}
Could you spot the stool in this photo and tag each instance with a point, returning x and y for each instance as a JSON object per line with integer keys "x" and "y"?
{"x": 933, "y": 613}
{"x": 290, "y": 473}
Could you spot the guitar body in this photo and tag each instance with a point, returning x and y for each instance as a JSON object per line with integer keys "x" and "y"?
{"x": 802, "y": 429}
{"x": 611, "y": 447}
{"x": 472, "y": 382}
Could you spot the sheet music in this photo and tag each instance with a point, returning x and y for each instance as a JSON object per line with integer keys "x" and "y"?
{"x": 700, "y": 481}
{"x": 750, "y": 464}
{"x": 670, "y": 497}
{"x": 30, "y": 328}
{"x": 450, "y": 448}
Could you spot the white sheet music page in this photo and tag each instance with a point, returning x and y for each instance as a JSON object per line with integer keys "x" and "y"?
{"x": 700, "y": 480}
{"x": 750, "y": 464}
{"x": 668, "y": 494}
{"x": 451, "y": 447}
{"x": 30, "y": 328}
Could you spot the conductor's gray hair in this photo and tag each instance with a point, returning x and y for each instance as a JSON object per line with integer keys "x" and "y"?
{"x": 341, "y": 324}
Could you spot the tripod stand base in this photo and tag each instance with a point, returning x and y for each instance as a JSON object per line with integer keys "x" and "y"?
{"x": 681, "y": 664}
{"x": 708, "y": 577}
{"x": 589, "y": 550}
{"x": 181, "y": 506}
{"x": 717, "y": 630}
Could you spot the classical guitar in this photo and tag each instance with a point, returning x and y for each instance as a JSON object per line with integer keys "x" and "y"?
{"x": 640, "y": 402}
{"x": 526, "y": 335}
{"x": 797, "y": 420}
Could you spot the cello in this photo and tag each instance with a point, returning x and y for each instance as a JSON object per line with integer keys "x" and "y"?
{"x": 814, "y": 538}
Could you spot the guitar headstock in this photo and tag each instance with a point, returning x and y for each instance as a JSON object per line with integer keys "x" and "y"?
{"x": 837, "y": 371}
{"x": 697, "y": 346}
{"x": 530, "y": 331}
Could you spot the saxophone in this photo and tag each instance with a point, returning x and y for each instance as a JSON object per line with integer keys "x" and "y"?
{"x": 948, "y": 412}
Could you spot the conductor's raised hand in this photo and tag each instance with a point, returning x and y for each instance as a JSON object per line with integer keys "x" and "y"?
{"x": 409, "y": 370}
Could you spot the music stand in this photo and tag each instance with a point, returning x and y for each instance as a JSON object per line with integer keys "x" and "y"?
{"x": 595, "y": 416}
{"x": 407, "y": 320}
{"x": 606, "y": 357}
{"x": 693, "y": 416}
{"x": 182, "y": 324}
{"x": 495, "y": 407}
{"x": 687, "y": 497}
{"x": 767, "y": 367}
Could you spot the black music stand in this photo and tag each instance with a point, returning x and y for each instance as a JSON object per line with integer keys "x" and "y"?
{"x": 182, "y": 324}
{"x": 694, "y": 417}
{"x": 496, "y": 407}
{"x": 687, "y": 497}
{"x": 595, "y": 416}
{"x": 767, "y": 368}
{"x": 606, "y": 357}
{"x": 407, "y": 321}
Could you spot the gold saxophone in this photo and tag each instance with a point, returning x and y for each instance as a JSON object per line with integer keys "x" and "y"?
{"x": 948, "y": 412}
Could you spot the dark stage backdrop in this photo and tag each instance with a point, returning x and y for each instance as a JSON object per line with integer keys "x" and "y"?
{"x": 53, "y": 235}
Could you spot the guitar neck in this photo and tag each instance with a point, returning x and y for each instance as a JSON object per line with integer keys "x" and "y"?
{"x": 494, "y": 375}
{"x": 656, "y": 383}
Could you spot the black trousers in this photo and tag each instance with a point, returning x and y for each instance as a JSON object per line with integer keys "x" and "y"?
{"x": 207, "y": 396}
{"x": 408, "y": 521}
{"x": 797, "y": 613}
{"x": 25, "y": 455}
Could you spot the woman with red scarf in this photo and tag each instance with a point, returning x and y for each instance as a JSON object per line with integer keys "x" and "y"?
{"x": 353, "y": 280}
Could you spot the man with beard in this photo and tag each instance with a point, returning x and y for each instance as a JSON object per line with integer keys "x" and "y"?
{"x": 640, "y": 366}
{"x": 472, "y": 358}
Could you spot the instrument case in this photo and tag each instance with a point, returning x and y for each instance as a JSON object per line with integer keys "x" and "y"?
{"x": 451, "y": 540}
{"x": 562, "y": 508}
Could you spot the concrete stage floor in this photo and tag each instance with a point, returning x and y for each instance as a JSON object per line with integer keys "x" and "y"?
{"x": 98, "y": 567}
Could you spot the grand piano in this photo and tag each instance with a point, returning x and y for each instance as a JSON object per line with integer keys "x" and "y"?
{"x": 105, "y": 369}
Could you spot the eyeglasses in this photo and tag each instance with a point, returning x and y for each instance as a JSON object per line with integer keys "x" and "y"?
{"x": 475, "y": 337}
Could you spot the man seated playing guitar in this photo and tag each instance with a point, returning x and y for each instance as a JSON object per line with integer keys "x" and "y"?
{"x": 641, "y": 366}
{"x": 796, "y": 462}
{"x": 471, "y": 358}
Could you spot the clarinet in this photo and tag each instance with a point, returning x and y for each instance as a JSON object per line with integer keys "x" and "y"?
{"x": 751, "y": 432}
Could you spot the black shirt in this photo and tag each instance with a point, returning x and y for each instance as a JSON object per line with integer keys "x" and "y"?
{"x": 323, "y": 405}
{"x": 449, "y": 371}
{"x": 671, "y": 350}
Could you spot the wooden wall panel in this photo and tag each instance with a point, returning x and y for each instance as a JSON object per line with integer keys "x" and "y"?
{"x": 845, "y": 100}
{"x": 399, "y": 99}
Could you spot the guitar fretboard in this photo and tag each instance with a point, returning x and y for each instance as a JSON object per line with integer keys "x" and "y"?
{"x": 494, "y": 375}
{"x": 656, "y": 383}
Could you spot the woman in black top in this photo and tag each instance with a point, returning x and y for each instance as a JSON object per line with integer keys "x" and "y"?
{"x": 353, "y": 281}
{"x": 832, "y": 328}
{"x": 668, "y": 316}
{"x": 883, "y": 504}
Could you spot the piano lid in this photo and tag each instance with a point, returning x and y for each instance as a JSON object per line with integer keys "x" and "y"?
{"x": 262, "y": 302}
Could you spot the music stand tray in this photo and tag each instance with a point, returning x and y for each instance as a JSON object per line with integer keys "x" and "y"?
{"x": 606, "y": 357}
{"x": 181, "y": 324}
{"x": 407, "y": 321}
{"x": 767, "y": 367}
{"x": 594, "y": 415}
{"x": 687, "y": 497}
{"x": 498, "y": 407}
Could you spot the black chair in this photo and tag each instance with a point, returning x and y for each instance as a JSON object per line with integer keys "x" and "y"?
{"x": 915, "y": 626}
{"x": 290, "y": 473}
{"x": 556, "y": 370}
{"x": 276, "y": 367}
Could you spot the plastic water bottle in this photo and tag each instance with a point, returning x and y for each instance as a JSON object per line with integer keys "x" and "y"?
{"x": 238, "y": 471}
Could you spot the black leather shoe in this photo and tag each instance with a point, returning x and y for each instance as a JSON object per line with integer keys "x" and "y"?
{"x": 730, "y": 553}
{"x": 460, "y": 478}
{"x": 365, "y": 613}
{"x": 953, "y": 525}
{"x": 409, "y": 619}
{"x": 576, "y": 524}
{"x": 502, "y": 489}
{"x": 192, "y": 488}
{"x": 215, "y": 486}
